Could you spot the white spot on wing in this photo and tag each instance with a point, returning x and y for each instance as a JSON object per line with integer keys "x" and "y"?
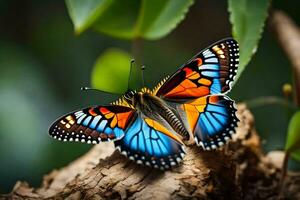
{"x": 81, "y": 118}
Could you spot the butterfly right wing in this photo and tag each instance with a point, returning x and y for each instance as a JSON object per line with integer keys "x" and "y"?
{"x": 148, "y": 142}
{"x": 209, "y": 72}
{"x": 211, "y": 119}
{"x": 94, "y": 124}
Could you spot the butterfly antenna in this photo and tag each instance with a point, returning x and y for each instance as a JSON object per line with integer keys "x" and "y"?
{"x": 88, "y": 88}
{"x": 92, "y": 89}
{"x": 131, "y": 64}
{"x": 142, "y": 71}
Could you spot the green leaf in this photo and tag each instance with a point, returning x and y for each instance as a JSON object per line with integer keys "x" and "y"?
{"x": 148, "y": 19}
{"x": 247, "y": 18}
{"x": 84, "y": 13}
{"x": 111, "y": 71}
{"x": 293, "y": 137}
{"x": 119, "y": 19}
{"x": 158, "y": 18}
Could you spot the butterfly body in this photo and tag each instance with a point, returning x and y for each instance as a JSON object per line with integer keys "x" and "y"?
{"x": 153, "y": 126}
{"x": 153, "y": 107}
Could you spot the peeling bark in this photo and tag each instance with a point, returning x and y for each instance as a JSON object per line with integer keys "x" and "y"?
{"x": 238, "y": 171}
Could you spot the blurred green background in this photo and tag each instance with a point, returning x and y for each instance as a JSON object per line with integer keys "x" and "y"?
{"x": 43, "y": 64}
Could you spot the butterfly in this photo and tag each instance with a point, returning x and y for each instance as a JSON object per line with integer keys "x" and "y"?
{"x": 152, "y": 127}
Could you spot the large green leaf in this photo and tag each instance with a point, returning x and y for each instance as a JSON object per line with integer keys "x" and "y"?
{"x": 293, "y": 137}
{"x": 158, "y": 18}
{"x": 111, "y": 71}
{"x": 84, "y": 13}
{"x": 119, "y": 19}
{"x": 247, "y": 18}
{"x": 148, "y": 19}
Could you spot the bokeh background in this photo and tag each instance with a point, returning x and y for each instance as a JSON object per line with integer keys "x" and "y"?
{"x": 43, "y": 64}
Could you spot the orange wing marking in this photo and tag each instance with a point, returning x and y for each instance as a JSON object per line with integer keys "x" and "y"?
{"x": 193, "y": 76}
{"x": 188, "y": 71}
{"x": 104, "y": 110}
{"x": 192, "y": 115}
{"x": 193, "y": 110}
{"x": 188, "y": 88}
{"x": 199, "y": 61}
{"x": 213, "y": 99}
{"x": 92, "y": 112}
{"x": 204, "y": 81}
{"x": 157, "y": 126}
{"x": 114, "y": 121}
{"x": 123, "y": 119}
{"x": 120, "y": 119}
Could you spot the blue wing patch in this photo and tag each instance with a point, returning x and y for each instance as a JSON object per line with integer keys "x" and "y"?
{"x": 220, "y": 63}
{"x": 212, "y": 119}
{"x": 149, "y": 143}
{"x": 216, "y": 124}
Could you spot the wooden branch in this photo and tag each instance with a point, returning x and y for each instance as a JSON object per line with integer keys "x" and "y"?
{"x": 288, "y": 35}
{"x": 239, "y": 170}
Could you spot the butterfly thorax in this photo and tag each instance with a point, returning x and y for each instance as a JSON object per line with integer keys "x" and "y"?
{"x": 155, "y": 108}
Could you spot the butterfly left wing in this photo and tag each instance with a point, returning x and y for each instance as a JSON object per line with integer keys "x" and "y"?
{"x": 211, "y": 119}
{"x": 210, "y": 72}
{"x": 148, "y": 142}
{"x": 94, "y": 124}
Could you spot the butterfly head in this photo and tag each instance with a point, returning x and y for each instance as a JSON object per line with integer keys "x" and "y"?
{"x": 139, "y": 100}
{"x": 129, "y": 96}
{"x": 146, "y": 103}
{"x": 136, "y": 99}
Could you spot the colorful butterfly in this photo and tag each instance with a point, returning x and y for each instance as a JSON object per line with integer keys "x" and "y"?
{"x": 151, "y": 126}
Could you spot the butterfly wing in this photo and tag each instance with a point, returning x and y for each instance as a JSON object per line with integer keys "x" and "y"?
{"x": 148, "y": 142}
{"x": 94, "y": 124}
{"x": 211, "y": 119}
{"x": 209, "y": 72}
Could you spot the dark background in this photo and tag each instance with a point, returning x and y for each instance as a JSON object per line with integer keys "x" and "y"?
{"x": 43, "y": 65}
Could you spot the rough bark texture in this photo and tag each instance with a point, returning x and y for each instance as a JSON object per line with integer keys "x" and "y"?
{"x": 237, "y": 171}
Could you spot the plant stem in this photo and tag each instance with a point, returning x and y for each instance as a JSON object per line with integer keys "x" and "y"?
{"x": 296, "y": 78}
{"x": 283, "y": 173}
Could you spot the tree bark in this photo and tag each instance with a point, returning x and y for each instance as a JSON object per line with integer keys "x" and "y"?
{"x": 237, "y": 171}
